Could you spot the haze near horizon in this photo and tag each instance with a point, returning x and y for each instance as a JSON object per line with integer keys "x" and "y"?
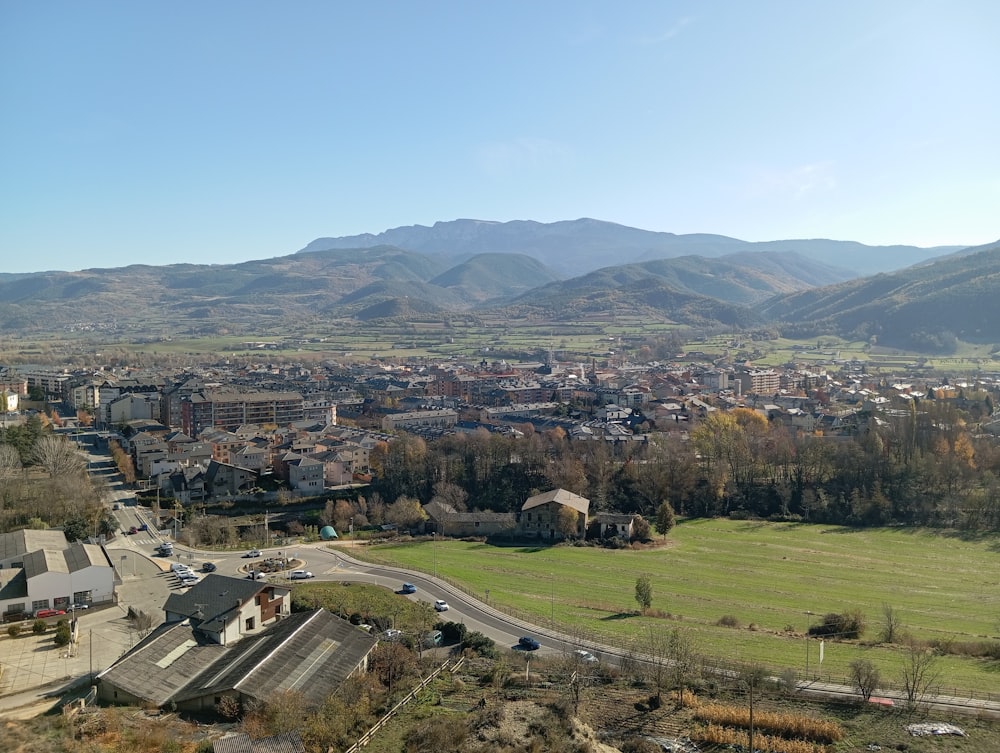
{"x": 217, "y": 133}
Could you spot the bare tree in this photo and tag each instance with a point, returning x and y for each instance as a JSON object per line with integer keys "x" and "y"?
{"x": 450, "y": 494}
{"x": 864, "y": 677}
{"x": 919, "y": 671}
{"x": 10, "y": 462}
{"x": 683, "y": 657}
{"x": 59, "y": 457}
{"x": 891, "y": 624}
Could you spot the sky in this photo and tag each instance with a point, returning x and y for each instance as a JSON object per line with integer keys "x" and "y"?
{"x": 225, "y": 131}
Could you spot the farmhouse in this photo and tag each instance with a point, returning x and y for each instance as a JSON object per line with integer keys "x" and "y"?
{"x": 554, "y": 514}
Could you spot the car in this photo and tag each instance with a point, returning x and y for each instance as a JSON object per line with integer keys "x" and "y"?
{"x": 301, "y": 575}
{"x": 209, "y": 567}
{"x": 80, "y": 606}
{"x": 433, "y": 638}
{"x": 41, "y": 614}
{"x": 179, "y": 567}
{"x": 133, "y": 529}
{"x": 253, "y": 553}
{"x": 188, "y": 578}
{"x": 144, "y": 527}
{"x": 256, "y": 575}
{"x": 392, "y": 634}
{"x": 528, "y": 643}
{"x": 408, "y": 588}
{"x": 441, "y": 605}
{"x": 585, "y": 656}
{"x": 116, "y": 506}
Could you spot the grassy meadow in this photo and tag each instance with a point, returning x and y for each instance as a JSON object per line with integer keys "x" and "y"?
{"x": 775, "y": 579}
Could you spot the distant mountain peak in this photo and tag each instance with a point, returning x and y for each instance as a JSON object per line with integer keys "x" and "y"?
{"x": 576, "y": 247}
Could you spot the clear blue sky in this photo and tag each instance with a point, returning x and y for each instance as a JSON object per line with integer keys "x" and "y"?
{"x": 215, "y": 132}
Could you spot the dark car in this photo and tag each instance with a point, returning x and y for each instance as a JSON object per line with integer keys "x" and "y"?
{"x": 208, "y": 567}
{"x": 528, "y": 643}
{"x": 408, "y": 588}
{"x": 133, "y": 529}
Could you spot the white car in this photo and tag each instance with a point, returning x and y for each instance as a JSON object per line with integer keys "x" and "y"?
{"x": 441, "y": 606}
{"x": 585, "y": 656}
{"x": 179, "y": 567}
{"x": 392, "y": 634}
{"x": 301, "y": 575}
{"x": 253, "y": 553}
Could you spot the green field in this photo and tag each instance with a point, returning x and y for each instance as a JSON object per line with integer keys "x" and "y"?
{"x": 774, "y": 578}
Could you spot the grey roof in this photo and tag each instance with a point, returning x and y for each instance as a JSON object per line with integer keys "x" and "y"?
{"x": 309, "y": 653}
{"x": 13, "y": 584}
{"x": 16, "y": 543}
{"x": 560, "y": 496}
{"x": 286, "y": 742}
{"x": 212, "y": 601}
{"x": 44, "y": 561}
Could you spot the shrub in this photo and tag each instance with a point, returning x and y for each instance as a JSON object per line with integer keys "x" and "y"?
{"x": 843, "y": 625}
{"x": 728, "y": 620}
{"x": 452, "y": 632}
{"x": 481, "y": 644}
{"x": 63, "y": 634}
{"x": 13, "y": 630}
{"x": 38, "y": 627}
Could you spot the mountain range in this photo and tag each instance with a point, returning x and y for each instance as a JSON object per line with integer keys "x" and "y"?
{"x": 933, "y": 298}
{"x": 575, "y": 247}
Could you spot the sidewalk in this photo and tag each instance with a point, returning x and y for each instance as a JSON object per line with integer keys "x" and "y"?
{"x": 35, "y": 670}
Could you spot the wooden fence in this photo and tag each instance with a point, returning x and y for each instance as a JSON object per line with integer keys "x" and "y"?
{"x": 367, "y": 737}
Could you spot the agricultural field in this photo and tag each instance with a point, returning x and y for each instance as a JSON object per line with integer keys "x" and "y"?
{"x": 768, "y": 581}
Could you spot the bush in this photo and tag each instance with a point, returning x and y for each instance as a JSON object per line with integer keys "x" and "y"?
{"x": 13, "y": 630}
{"x": 481, "y": 644}
{"x": 845, "y": 625}
{"x": 452, "y": 632}
{"x": 63, "y": 635}
{"x": 39, "y": 626}
{"x": 728, "y": 620}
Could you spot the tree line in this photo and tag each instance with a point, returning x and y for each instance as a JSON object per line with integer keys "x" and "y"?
{"x": 917, "y": 466}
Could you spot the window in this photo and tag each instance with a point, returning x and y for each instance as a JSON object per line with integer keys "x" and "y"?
{"x": 250, "y": 623}
{"x": 477, "y": 524}
{"x": 39, "y": 604}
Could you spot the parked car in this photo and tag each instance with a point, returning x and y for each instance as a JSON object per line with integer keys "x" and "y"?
{"x": 254, "y": 553}
{"x": 441, "y": 605}
{"x": 585, "y": 656}
{"x": 189, "y": 578}
{"x": 301, "y": 575}
{"x": 433, "y": 638}
{"x": 392, "y": 634}
{"x": 209, "y": 567}
{"x": 116, "y": 506}
{"x": 528, "y": 643}
{"x": 80, "y": 605}
{"x": 256, "y": 575}
{"x": 144, "y": 527}
{"x": 41, "y": 614}
{"x": 133, "y": 529}
{"x": 408, "y": 588}
{"x": 179, "y": 567}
